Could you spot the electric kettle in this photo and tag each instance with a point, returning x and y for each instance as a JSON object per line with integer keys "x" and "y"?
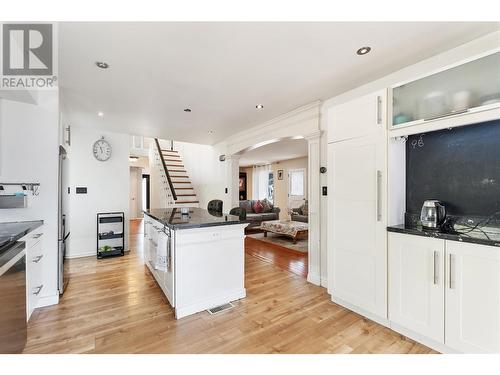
{"x": 433, "y": 214}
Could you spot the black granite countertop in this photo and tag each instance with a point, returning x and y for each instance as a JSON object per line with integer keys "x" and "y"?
{"x": 11, "y": 232}
{"x": 197, "y": 218}
{"x": 485, "y": 236}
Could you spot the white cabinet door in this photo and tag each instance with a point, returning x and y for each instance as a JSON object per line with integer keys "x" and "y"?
{"x": 358, "y": 118}
{"x": 416, "y": 284}
{"x": 357, "y": 221}
{"x": 472, "y": 297}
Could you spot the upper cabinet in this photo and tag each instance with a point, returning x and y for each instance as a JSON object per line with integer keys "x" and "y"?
{"x": 358, "y": 118}
{"x": 471, "y": 87}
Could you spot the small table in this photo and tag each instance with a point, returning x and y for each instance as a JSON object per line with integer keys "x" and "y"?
{"x": 290, "y": 228}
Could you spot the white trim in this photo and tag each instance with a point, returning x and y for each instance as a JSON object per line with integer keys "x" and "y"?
{"x": 442, "y": 348}
{"x": 48, "y": 300}
{"x": 324, "y": 281}
{"x": 208, "y": 303}
{"x": 380, "y": 320}
{"x": 314, "y": 279}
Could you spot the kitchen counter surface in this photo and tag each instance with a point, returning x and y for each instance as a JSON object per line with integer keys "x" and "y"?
{"x": 197, "y": 218}
{"x": 11, "y": 232}
{"x": 486, "y": 236}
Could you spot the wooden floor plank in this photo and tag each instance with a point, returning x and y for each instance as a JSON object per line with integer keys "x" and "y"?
{"x": 115, "y": 306}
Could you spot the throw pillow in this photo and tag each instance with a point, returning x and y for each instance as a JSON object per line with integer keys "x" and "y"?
{"x": 247, "y": 206}
{"x": 305, "y": 209}
{"x": 257, "y": 207}
{"x": 267, "y": 206}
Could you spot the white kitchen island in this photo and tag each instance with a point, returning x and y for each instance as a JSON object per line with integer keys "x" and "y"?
{"x": 205, "y": 257}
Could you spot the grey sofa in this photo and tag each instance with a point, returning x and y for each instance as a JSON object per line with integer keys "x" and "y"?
{"x": 300, "y": 214}
{"x": 256, "y": 218}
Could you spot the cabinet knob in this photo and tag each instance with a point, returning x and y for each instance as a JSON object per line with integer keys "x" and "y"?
{"x": 37, "y": 258}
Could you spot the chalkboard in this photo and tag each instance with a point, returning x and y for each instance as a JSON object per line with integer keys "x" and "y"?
{"x": 458, "y": 166}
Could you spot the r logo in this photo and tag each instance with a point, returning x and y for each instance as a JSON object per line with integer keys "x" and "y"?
{"x": 27, "y": 49}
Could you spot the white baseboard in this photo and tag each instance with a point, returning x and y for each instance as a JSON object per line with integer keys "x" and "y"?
{"x": 378, "y": 319}
{"x": 314, "y": 279}
{"x": 440, "y": 347}
{"x": 208, "y": 303}
{"x": 81, "y": 255}
{"x": 324, "y": 282}
{"x": 48, "y": 300}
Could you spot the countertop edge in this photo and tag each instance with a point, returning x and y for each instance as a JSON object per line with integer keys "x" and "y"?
{"x": 443, "y": 236}
{"x": 193, "y": 226}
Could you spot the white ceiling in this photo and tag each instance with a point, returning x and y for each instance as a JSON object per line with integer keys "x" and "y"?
{"x": 222, "y": 70}
{"x": 278, "y": 151}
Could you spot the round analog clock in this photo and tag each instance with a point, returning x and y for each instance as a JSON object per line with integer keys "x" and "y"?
{"x": 102, "y": 150}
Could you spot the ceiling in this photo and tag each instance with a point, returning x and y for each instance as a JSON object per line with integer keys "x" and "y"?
{"x": 278, "y": 151}
{"x": 221, "y": 71}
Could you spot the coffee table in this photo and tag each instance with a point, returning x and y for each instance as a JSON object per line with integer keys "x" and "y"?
{"x": 289, "y": 228}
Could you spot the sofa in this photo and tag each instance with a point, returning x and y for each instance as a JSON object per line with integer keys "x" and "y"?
{"x": 301, "y": 213}
{"x": 269, "y": 212}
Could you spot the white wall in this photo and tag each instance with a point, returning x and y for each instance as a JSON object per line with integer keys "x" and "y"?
{"x": 29, "y": 152}
{"x": 107, "y": 185}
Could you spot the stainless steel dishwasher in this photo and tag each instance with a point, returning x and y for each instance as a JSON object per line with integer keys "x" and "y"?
{"x": 13, "y": 298}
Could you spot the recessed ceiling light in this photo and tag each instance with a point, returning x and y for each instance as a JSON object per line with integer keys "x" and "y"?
{"x": 102, "y": 64}
{"x": 100, "y": 114}
{"x": 210, "y": 132}
{"x": 187, "y": 109}
{"x": 363, "y": 51}
{"x": 259, "y": 106}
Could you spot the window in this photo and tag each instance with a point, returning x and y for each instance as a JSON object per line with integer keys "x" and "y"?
{"x": 297, "y": 182}
{"x": 270, "y": 187}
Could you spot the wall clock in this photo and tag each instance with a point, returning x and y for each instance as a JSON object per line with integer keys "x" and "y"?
{"x": 102, "y": 149}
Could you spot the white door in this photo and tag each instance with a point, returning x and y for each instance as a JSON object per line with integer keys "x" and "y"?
{"x": 472, "y": 297}
{"x": 297, "y": 186}
{"x": 358, "y": 118}
{"x": 357, "y": 221}
{"x": 416, "y": 284}
{"x": 135, "y": 192}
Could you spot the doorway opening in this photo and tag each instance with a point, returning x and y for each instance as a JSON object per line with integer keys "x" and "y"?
{"x": 273, "y": 191}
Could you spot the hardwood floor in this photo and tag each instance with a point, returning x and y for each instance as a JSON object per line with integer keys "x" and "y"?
{"x": 289, "y": 260}
{"x": 114, "y": 306}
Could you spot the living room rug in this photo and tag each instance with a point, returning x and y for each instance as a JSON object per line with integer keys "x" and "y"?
{"x": 282, "y": 241}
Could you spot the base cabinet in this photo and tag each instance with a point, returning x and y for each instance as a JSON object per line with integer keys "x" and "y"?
{"x": 473, "y": 297}
{"x": 34, "y": 269}
{"x": 445, "y": 291}
{"x": 416, "y": 284}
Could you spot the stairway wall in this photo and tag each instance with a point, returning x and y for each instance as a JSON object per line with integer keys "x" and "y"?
{"x": 203, "y": 167}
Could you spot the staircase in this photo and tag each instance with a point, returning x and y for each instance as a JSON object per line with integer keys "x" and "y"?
{"x": 179, "y": 191}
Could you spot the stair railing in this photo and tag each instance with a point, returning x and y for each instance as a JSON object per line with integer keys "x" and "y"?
{"x": 169, "y": 180}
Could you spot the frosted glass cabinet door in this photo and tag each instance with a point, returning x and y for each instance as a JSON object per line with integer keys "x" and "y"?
{"x": 358, "y": 223}
{"x": 416, "y": 284}
{"x": 470, "y": 86}
{"x": 472, "y": 297}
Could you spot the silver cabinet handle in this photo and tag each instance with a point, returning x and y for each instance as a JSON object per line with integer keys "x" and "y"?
{"x": 447, "y": 114}
{"x": 38, "y": 235}
{"x": 379, "y": 196}
{"x": 38, "y": 290}
{"x": 436, "y": 260}
{"x": 379, "y": 110}
{"x": 451, "y": 281}
{"x": 37, "y": 259}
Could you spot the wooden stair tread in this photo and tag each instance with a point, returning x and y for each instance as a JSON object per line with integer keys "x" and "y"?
{"x": 174, "y": 165}
{"x": 181, "y": 182}
{"x": 171, "y": 176}
{"x": 187, "y": 202}
{"x": 179, "y": 159}
{"x": 162, "y": 150}
{"x": 186, "y": 195}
